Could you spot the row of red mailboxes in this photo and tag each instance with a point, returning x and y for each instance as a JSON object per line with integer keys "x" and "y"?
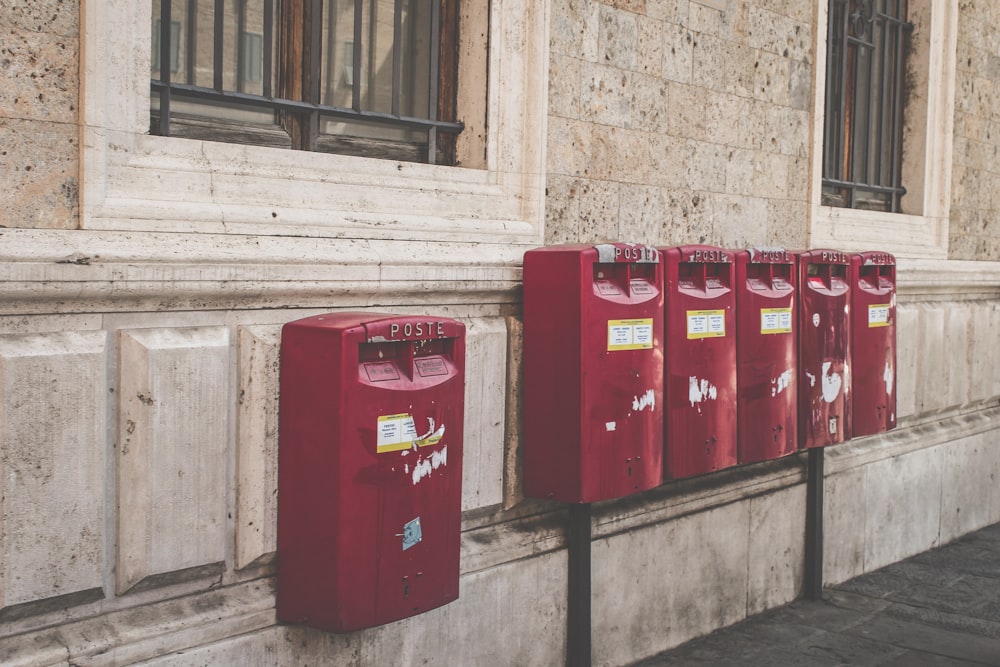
{"x": 626, "y": 347}
{"x": 643, "y": 364}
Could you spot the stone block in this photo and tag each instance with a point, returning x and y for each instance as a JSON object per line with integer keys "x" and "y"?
{"x": 605, "y": 95}
{"x": 787, "y": 223}
{"x": 678, "y": 53}
{"x": 684, "y": 578}
{"x": 41, "y": 70}
{"x": 844, "y": 533}
{"x": 968, "y": 468}
{"x": 562, "y": 209}
{"x": 771, "y": 78}
{"x": 671, "y": 11}
{"x": 707, "y": 169}
{"x": 514, "y": 614}
{"x": 642, "y": 213}
{"x": 618, "y": 42}
{"x": 650, "y": 46}
{"x": 173, "y": 435}
{"x": 53, "y": 436}
{"x": 776, "y": 556}
{"x": 739, "y": 221}
{"x": 903, "y": 513}
{"x": 907, "y": 321}
{"x": 650, "y": 105}
{"x": 599, "y": 205}
{"x": 932, "y": 361}
{"x": 568, "y": 147}
{"x": 39, "y": 167}
{"x": 688, "y": 217}
{"x": 259, "y": 350}
{"x": 564, "y": 86}
{"x": 58, "y": 17}
{"x": 740, "y": 171}
{"x": 568, "y": 28}
{"x": 485, "y": 391}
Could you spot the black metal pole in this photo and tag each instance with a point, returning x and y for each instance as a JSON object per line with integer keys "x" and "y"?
{"x": 578, "y": 650}
{"x": 814, "y": 524}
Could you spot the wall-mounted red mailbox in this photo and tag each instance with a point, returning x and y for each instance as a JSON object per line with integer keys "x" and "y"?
{"x": 873, "y": 343}
{"x": 370, "y": 468}
{"x": 824, "y": 348}
{"x": 700, "y": 376}
{"x": 765, "y": 354}
{"x": 593, "y": 371}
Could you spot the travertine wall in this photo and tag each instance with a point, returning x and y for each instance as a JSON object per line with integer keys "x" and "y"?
{"x": 673, "y": 122}
{"x": 138, "y": 356}
{"x": 975, "y": 201}
{"x": 39, "y": 107}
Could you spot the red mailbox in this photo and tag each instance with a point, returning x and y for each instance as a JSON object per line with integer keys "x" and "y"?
{"x": 370, "y": 468}
{"x": 824, "y": 348}
{"x": 873, "y": 343}
{"x": 700, "y": 382}
{"x": 593, "y": 371}
{"x": 765, "y": 354}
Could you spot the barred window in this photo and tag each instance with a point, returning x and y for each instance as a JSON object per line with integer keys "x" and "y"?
{"x": 867, "y": 42}
{"x": 374, "y": 78}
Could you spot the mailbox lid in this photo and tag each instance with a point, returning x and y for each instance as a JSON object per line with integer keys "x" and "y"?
{"x": 700, "y": 382}
{"x": 364, "y": 458}
{"x": 873, "y": 342}
{"x": 824, "y": 347}
{"x": 592, "y": 371}
{"x": 766, "y": 347}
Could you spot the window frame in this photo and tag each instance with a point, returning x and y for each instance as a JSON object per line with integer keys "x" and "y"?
{"x": 920, "y": 230}
{"x": 868, "y": 106}
{"x": 291, "y": 85}
{"x": 133, "y": 181}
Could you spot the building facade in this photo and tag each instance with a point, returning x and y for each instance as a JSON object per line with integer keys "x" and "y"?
{"x": 145, "y": 279}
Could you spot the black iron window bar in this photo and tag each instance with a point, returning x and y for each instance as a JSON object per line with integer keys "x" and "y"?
{"x": 312, "y": 109}
{"x": 864, "y": 105}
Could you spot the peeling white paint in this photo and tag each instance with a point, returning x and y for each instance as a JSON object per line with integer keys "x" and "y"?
{"x": 647, "y": 400}
{"x": 610, "y": 426}
{"x": 887, "y": 376}
{"x": 832, "y": 382}
{"x": 815, "y": 319}
{"x": 812, "y": 379}
{"x": 700, "y": 390}
{"x": 425, "y": 466}
{"x": 780, "y": 383}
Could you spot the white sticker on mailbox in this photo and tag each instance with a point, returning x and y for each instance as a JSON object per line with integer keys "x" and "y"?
{"x": 706, "y": 324}
{"x": 878, "y": 315}
{"x": 630, "y": 334}
{"x": 395, "y": 433}
{"x": 775, "y": 320}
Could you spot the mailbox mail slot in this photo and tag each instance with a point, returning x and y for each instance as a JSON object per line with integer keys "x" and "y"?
{"x": 765, "y": 354}
{"x": 593, "y": 371}
{"x": 824, "y": 348}
{"x": 700, "y": 375}
{"x": 873, "y": 343}
{"x": 370, "y": 468}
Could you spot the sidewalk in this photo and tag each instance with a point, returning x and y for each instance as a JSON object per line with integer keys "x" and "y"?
{"x": 939, "y": 608}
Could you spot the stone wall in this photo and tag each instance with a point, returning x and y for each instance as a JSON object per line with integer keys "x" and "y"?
{"x": 39, "y": 108}
{"x": 674, "y": 122}
{"x": 975, "y": 201}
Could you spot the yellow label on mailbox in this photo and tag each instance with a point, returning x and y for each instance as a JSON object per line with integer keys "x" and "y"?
{"x": 706, "y": 324}
{"x": 775, "y": 320}
{"x": 878, "y": 315}
{"x": 630, "y": 334}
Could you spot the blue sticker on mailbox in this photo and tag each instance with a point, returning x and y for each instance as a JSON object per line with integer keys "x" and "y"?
{"x": 412, "y": 533}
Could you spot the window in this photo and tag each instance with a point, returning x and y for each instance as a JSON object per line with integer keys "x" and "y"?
{"x": 866, "y": 68}
{"x": 375, "y": 78}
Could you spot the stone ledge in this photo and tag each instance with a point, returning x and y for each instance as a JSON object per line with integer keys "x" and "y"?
{"x": 43, "y": 272}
